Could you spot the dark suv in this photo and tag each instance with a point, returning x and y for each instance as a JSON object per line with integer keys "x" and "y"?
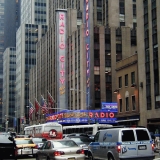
{"x": 7, "y": 146}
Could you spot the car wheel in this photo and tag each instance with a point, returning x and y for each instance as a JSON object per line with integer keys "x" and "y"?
{"x": 110, "y": 158}
{"x": 90, "y": 157}
{"x": 37, "y": 158}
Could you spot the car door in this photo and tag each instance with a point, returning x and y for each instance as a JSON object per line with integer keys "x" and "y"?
{"x": 45, "y": 151}
{"x": 96, "y": 146}
{"x": 144, "y": 143}
{"x": 128, "y": 146}
{"x": 40, "y": 152}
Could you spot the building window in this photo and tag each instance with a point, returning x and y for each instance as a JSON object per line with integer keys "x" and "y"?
{"x": 149, "y": 103}
{"x": 120, "y": 105}
{"x": 99, "y": 3}
{"x": 122, "y": 24}
{"x": 121, "y": 7}
{"x": 126, "y": 80}
{"x": 134, "y": 9}
{"x": 133, "y": 103}
{"x": 127, "y": 104}
{"x": 132, "y": 77}
{"x": 120, "y": 82}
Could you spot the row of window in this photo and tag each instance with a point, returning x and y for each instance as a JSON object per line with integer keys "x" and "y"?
{"x": 127, "y": 107}
{"x": 126, "y": 80}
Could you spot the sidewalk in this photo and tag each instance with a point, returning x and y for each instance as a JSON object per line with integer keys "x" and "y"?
{"x": 157, "y": 155}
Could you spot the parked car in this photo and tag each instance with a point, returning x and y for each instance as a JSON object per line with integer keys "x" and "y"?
{"x": 25, "y": 146}
{"x": 39, "y": 141}
{"x": 82, "y": 141}
{"x": 63, "y": 149}
{"x": 7, "y": 147}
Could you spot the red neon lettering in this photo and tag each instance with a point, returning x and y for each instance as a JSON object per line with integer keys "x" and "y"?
{"x": 61, "y": 16}
{"x": 102, "y": 115}
{"x": 87, "y": 46}
{"x": 90, "y": 114}
{"x": 111, "y": 115}
{"x": 106, "y": 115}
{"x": 87, "y": 7}
{"x": 62, "y": 80}
{"x": 61, "y": 24}
{"x": 62, "y": 46}
{"x": 96, "y": 115}
{"x": 87, "y": 64}
{"x": 86, "y": 24}
{"x": 87, "y": 55}
{"x": 62, "y": 58}
{"x": 87, "y": 16}
{"x": 87, "y": 32}
{"x": 62, "y": 65}
{"x": 62, "y": 72}
{"x": 61, "y": 30}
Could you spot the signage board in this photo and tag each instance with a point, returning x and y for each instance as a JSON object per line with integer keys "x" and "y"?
{"x": 83, "y": 116}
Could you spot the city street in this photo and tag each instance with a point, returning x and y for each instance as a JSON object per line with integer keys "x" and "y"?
{"x": 157, "y": 157}
{"x": 26, "y": 158}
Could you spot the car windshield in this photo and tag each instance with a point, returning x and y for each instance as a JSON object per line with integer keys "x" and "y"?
{"x": 4, "y": 138}
{"x": 80, "y": 140}
{"x": 64, "y": 144}
{"x": 24, "y": 141}
{"x": 39, "y": 140}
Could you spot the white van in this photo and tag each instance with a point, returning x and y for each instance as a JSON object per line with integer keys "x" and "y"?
{"x": 122, "y": 144}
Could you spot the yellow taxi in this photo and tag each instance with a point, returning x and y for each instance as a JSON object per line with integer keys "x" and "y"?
{"x": 25, "y": 146}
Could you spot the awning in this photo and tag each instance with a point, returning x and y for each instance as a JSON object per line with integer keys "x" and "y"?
{"x": 127, "y": 120}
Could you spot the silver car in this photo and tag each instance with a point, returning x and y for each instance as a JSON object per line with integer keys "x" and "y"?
{"x": 60, "y": 150}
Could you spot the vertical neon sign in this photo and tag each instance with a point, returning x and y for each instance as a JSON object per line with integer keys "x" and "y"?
{"x": 87, "y": 49}
{"x": 61, "y": 58}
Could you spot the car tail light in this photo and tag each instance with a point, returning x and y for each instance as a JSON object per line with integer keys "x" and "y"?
{"x": 119, "y": 149}
{"x": 152, "y": 146}
{"x": 36, "y": 147}
{"x": 58, "y": 153}
{"x": 81, "y": 151}
{"x": 16, "y": 151}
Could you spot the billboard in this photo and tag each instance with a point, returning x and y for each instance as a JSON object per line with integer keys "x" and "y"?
{"x": 82, "y": 116}
{"x": 111, "y": 107}
{"x": 61, "y": 40}
{"x": 87, "y": 49}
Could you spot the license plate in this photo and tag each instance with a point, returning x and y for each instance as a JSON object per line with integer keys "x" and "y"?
{"x": 71, "y": 158}
{"x": 142, "y": 147}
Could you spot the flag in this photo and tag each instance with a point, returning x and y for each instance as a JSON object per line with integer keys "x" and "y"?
{"x": 31, "y": 109}
{"x": 44, "y": 107}
{"x": 51, "y": 102}
{"x": 37, "y": 105}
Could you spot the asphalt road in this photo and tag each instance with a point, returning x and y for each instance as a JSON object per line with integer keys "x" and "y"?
{"x": 157, "y": 157}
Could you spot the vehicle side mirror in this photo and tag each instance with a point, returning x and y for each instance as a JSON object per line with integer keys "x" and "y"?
{"x": 11, "y": 139}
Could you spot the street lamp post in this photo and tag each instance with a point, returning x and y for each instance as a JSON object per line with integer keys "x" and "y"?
{"x": 87, "y": 103}
{"x": 27, "y": 117}
{"x": 7, "y": 120}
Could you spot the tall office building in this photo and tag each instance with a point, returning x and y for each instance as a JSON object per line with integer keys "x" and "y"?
{"x": 9, "y": 79}
{"x": 26, "y": 38}
{"x": 148, "y": 27}
{"x": 11, "y": 22}
{"x": 34, "y": 20}
{"x": 34, "y": 11}
{"x": 111, "y": 36}
{"x": 1, "y": 54}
